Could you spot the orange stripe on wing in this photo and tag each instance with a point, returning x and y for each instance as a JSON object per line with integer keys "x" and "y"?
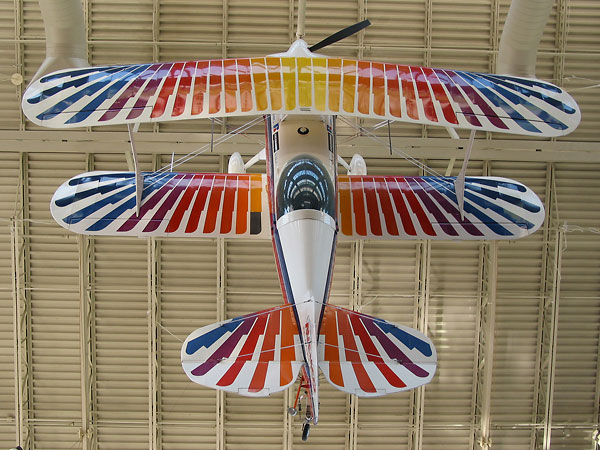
{"x": 245, "y": 80}
{"x": 424, "y": 93}
{"x": 334, "y": 72}
{"x": 288, "y": 66}
{"x": 215, "y": 86}
{"x": 267, "y": 352}
{"x": 275, "y": 90}
{"x": 214, "y": 204}
{"x": 393, "y": 90}
{"x": 231, "y": 87}
{"x": 349, "y": 87}
{"x": 241, "y": 220}
{"x": 408, "y": 92}
{"x": 364, "y": 87}
{"x": 260, "y": 83}
{"x": 378, "y": 89}
{"x": 332, "y": 351}
{"x": 358, "y": 205}
{"x": 305, "y": 85}
{"x": 386, "y": 206}
{"x": 228, "y": 204}
{"x": 288, "y": 351}
{"x": 345, "y": 205}
{"x": 320, "y": 82}
{"x": 200, "y": 87}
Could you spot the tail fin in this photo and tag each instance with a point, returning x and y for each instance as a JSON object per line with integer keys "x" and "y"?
{"x": 369, "y": 357}
{"x": 254, "y": 355}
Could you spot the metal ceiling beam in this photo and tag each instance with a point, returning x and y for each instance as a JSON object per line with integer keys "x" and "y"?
{"x": 485, "y": 360}
{"x": 183, "y": 143}
{"x": 23, "y": 369}
{"x": 421, "y": 319}
{"x": 153, "y": 247}
{"x": 356, "y": 304}
{"x": 87, "y": 344}
{"x": 548, "y": 322}
{"x": 221, "y": 316}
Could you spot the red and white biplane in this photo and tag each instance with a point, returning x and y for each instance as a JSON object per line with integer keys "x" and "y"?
{"x": 301, "y": 203}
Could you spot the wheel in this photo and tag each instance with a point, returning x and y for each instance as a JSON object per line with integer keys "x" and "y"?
{"x": 305, "y": 431}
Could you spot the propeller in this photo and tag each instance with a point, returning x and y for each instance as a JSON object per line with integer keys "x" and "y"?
{"x": 342, "y": 34}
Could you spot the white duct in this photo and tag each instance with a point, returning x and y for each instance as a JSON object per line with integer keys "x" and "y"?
{"x": 66, "y": 44}
{"x": 521, "y": 36}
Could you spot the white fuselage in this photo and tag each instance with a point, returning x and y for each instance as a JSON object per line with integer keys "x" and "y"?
{"x": 302, "y": 167}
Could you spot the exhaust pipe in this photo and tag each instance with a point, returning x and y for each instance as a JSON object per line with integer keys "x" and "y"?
{"x": 66, "y": 45}
{"x": 521, "y": 37}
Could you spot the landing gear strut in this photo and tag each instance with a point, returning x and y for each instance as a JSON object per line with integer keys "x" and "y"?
{"x": 293, "y": 411}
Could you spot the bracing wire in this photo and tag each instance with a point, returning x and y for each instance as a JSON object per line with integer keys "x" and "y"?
{"x": 398, "y": 152}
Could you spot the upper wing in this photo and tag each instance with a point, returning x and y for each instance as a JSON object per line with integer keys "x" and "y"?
{"x": 393, "y": 207}
{"x": 273, "y": 84}
{"x": 173, "y": 204}
{"x": 256, "y": 355}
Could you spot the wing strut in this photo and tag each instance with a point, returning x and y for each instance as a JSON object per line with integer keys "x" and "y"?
{"x": 139, "y": 178}
{"x": 459, "y": 183}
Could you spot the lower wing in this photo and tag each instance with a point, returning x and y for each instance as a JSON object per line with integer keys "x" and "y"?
{"x": 392, "y": 207}
{"x": 173, "y": 204}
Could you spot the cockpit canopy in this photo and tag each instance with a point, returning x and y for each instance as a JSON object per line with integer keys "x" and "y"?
{"x": 304, "y": 183}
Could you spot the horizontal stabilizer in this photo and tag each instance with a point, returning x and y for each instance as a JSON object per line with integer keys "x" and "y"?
{"x": 253, "y": 355}
{"x": 158, "y": 92}
{"x": 172, "y": 204}
{"x": 395, "y": 207}
{"x": 369, "y": 357}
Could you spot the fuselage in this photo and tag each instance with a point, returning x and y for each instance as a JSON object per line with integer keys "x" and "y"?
{"x": 301, "y": 168}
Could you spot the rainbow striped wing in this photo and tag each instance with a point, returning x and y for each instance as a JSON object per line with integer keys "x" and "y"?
{"x": 369, "y": 357}
{"x": 173, "y": 204}
{"x": 394, "y": 207}
{"x": 296, "y": 85}
{"x": 254, "y": 355}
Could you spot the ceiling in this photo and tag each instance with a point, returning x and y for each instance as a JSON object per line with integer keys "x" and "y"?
{"x": 90, "y": 329}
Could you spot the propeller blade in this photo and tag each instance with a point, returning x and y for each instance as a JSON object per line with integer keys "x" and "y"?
{"x": 342, "y": 34}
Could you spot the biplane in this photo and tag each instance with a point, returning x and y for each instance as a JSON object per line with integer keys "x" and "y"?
{"x": 302, "y": 203}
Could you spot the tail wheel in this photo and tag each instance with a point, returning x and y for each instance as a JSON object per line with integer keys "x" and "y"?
{"x": 305, "y": 431}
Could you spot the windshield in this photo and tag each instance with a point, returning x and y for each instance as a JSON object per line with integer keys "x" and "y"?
{"x": 304, "y": 183}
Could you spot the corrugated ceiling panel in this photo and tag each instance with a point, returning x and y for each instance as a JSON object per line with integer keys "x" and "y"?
{"x": 258, "y": 21}
{"x": 582, "y": 32}
{"x": 120, "y": 295}
{"x": 9, "y": 171}
{"x": 54, "y": 292}
{"x": 10, "y": 116}
{"x": 474, "y": 17}
{"x": 579, "y": 311}
{"x": 188, "y": 20}
{"x": 251, "y": 285}
{"x": 112, "y": 20}
{"x": 188, "y": 300}
{"x": 326, "y": 18}
{"x": 516, "y": 321}
{"x": 395, "y": 23}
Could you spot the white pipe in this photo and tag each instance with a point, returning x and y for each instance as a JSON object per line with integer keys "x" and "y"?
{"x": 66, "y": 44}
{"x": 301, "y": 17}
{"x": 521, "y": 36}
